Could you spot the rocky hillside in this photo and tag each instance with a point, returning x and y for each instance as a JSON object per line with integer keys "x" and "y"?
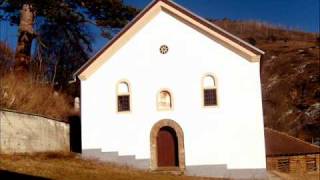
{"x": 290, "y": 72}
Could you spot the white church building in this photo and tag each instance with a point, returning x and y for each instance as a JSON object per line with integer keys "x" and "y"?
{"x": 174, "y": 92}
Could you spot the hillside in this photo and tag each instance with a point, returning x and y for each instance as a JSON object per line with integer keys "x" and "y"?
{"x": 290, "y": 76}
{"x": 30, "y": 94}
{"x": 47, "y": 166}
{"x": 70, "y": 166}
{"x": 289, "y": 71}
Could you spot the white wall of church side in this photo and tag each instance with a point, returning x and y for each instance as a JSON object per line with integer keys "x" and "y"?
{"x": 231, "y": 133}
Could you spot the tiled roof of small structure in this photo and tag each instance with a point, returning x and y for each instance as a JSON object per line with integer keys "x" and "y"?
{"x": 282, "y": 144}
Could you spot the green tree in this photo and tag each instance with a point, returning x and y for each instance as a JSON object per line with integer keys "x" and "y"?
{"x": 61, "y": 30}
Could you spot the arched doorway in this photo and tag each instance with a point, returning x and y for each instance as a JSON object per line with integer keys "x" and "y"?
{"x": 167, "y": 146}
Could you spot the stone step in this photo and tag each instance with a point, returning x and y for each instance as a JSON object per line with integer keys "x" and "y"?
{"x": 142, "y": 163}
{"x": 109, "y": 156}
{"x": 247, "y": 174}
{"x": 91, "y": 153}
{"x": 219, "y": 171}
{"x": 169, "y": 170}
{"x": 114, "y": 157}
{"x": 128, "y": 160}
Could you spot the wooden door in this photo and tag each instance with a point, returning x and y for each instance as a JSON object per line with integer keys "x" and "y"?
{"x": 167, "y": 148}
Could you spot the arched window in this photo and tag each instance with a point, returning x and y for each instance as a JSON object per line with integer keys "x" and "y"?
{"x": 123, "y": 96}
{"x": 164, "y": 101}
{"x": 209, "y": 91}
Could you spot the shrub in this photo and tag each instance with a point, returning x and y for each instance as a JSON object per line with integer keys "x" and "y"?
{"x": 27, "y": 95}
{"x": 6, "y": 58}
{"x": 252, "y": 41}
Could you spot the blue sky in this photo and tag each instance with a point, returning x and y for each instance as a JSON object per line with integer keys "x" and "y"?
{"x": 298, "y": 14}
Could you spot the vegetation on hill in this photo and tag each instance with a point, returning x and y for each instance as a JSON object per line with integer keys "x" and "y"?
{"x": 290, "y": 75}
{"x": 70, "y": 166}
{"x": 30, "y": 95}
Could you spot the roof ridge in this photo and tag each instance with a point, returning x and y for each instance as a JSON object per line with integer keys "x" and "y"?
{"x": 90, "y": 60}
{"x": 292, "y": 137}
{"x": 215, "y": 26}
{"x": 256, "y": 52}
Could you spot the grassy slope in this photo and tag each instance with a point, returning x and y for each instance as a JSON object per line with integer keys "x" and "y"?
{"x": 297, "y": 176}
{"x": 290, "y": 76}
{"x": 68, "y": 166}
{"x": 29, "y": 94}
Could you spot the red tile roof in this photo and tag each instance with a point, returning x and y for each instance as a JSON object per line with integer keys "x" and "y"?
{"x": 282, "y": 144}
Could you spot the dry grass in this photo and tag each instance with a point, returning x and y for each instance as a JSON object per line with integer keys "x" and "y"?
{"x": 292, "y": 176}
{"x": 259, "y": 31}
{"x": 27, "y": 95}
{"x": 6, "y": 57}
{"x": 289, "y": 75}
{"x": 70, "y": 166}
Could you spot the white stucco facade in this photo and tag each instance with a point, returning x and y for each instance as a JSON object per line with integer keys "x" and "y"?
{"x": 231, "y": 133}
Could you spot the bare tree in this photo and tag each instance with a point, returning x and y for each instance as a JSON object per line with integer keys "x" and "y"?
{"x": 26, "y": 35}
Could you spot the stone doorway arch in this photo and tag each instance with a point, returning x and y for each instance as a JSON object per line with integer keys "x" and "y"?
{"x": 153, "y": 143}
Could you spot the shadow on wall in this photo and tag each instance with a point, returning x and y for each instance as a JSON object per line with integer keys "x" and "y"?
{"x": 75, "y": 134}
{"x": 13, "y": 175}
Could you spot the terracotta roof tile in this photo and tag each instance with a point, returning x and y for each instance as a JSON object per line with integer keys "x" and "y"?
{"x": 278, "y": 143}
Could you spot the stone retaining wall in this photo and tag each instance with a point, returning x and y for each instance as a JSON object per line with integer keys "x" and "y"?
{"x": 27, "y": 133}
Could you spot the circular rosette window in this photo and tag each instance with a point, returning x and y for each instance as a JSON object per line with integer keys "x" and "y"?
{"x": 164, "y": 49}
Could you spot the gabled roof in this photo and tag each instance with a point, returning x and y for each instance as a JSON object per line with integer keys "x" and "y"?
{"x": 230, "y": 41}
{"x": 281, "y": 144}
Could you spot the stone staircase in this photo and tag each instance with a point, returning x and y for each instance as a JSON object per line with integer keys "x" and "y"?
{"x": 219, "y": 171}
{"x": 114, "y": 157}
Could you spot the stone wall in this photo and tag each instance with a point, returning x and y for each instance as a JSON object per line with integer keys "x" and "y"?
{"x": 27, "y": 133}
